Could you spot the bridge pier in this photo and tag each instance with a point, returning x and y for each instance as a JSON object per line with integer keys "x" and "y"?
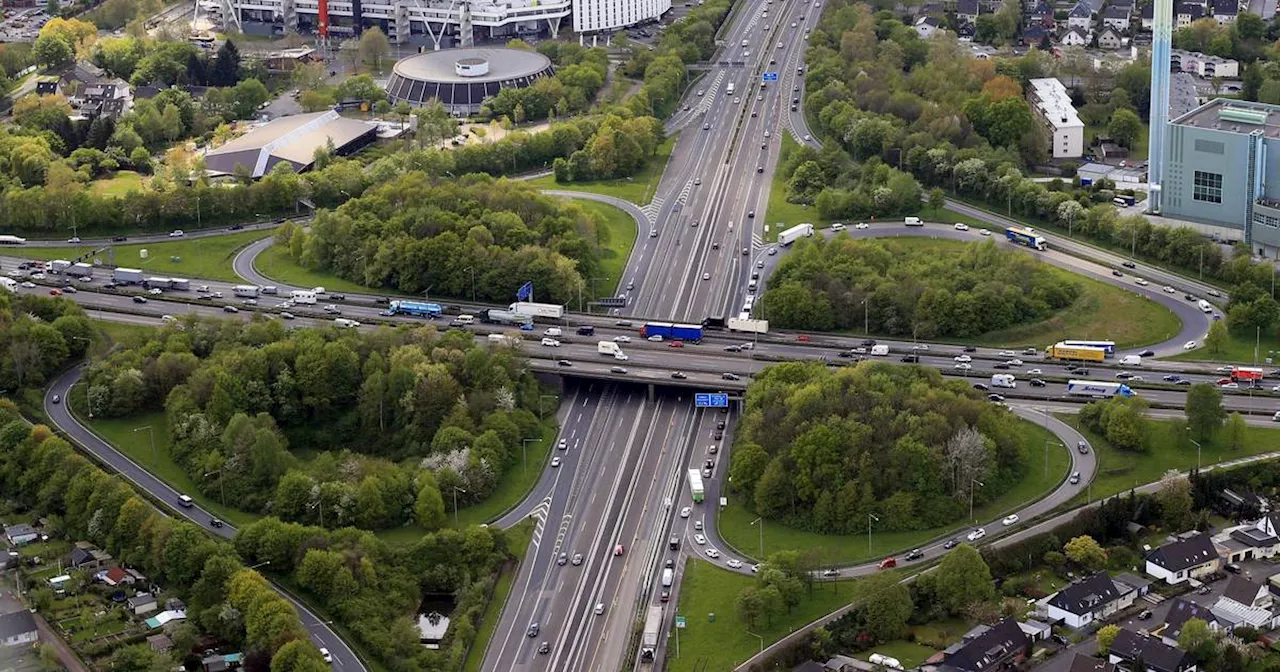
{"x": 653, "y": 392}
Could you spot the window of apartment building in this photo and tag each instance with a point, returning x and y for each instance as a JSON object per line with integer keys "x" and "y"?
{"x": 1207, "y": 187}
{"x": 1266, "y": 220}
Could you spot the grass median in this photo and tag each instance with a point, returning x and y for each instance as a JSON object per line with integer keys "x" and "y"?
{"x": 734, "y": 522}
{"x": 1240, "y": 348}
{"x": 208, "y": 258}
{"x": 520, "y": 537}
{"x": 639, "y": 188}
{"x": 716, "y": 638}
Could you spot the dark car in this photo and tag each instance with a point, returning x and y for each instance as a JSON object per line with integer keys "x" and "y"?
{"x": 139, "y": 299}
{"x": 678, "y": 375}
{"x": 915, "y": 555}
{"x": 1063, "y": 641}
{"x": 1129, "y": 264}
{"x": 911, "y": 359}
{"x": 1082, "y": 447}
{"x": 533, "y": 630}
{"x": 995, "y": 397}
{"x": 381, "y": 300}
{"x": 970, "y": 348}
{"x": 214, "y": 522}
{"x": 563, "y": 362}
{"x": 235, "y": 227}
{"x": 1036, "y": 382}
{"x": 119, "y": 239}
{"x": 1171, "y": 378}
{"x": 544, "y": 648}
{"x": 1147, "y": 353}
{"x": 1000, "y": 365}
{"x": 1188, "y": 297}
{"x": 1082, "y": 371}
{"x": 868, "y": 343}
{"x": 719, "y": 424}
{"x": 730, "y": 376}
{"x": 845, "y": 354}
{"x": 338, "y": 297}
{"x": 586, "y": 330}
{"x": 951, "y": 543}
{"x": 666, "y": 596}
{"x": 563, "y": 559}
{"x": 981, "y": 387}
{"x": 1232, "y": 567}
{"x": 718, "y": 435}
{"x": 1117, "y": 273}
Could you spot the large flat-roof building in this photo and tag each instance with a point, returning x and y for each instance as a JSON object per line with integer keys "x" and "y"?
{"x": 294, "y": 139}
{"x": 1223, "y": 169}
{"x": 462, "y": 79}
{"x": 1052, "y": 107}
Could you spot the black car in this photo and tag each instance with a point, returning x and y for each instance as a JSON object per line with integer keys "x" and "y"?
{"x": 1000, "y": 365}
{"x": 119, "y": 239}
{"x": 845, "y": 354}
{"x": 868, "y": 343}
{"x": 235, "y": 227}
{"x": 678, "y": 375}
{"x": 720, "y": 424}
{"x": 563, "y": 362}
{"x": 214, "y": 522}
{"x": 951, "y": 543}
{"x": 139, "y": 299}
{"x": 381, "y": 300}
{"x": 1117, "y": 273}
{"x": 995, "y": 397}
{"x": 586, "y": 330}
{"x": 730, "y": 376}
{"x": 915, "y": 554}
{"x": 1129, "y": 264}
{"x": 533, "y": 630}
{"x": 981, "y": 387}
{"x": 1036, "y": 382}
{"x": 1082, "y": 371}
{"x": 1188, "y": 297}
{"x": 970, "y": 348}
{"x": 911, "y": 359}
{"x": 544, "y": 648}
{"x": 717, "y": 435}
{"x": 1147, "y": 353}
{"x": 338, "y": 297}
{"x": 1171, "y": 378}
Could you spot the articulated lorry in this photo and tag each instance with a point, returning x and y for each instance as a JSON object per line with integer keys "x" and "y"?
{"x": 1098, "y": 390}
{"x": 415, "y": 308}
{"x": 747, "y": 324}
{"x": 126, "y": 276}
{"x": 495, "y": 316}
{"x": 1074, "y": 353}
{"x": 695, "y": 486}
{"x": 792, "y": 234}
{"x": 668, "y": 330}
{"x": 1025, "y": 237}
{"x": 649, "y": 640}
{"x": 548, "y": 311}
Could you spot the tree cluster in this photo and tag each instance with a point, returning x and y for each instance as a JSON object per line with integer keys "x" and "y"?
{"x": 580, "y": 72}
{"x": 38, "y": 336}
{"x": 823, "y": 449}
{"x": 471, "y": 235}
{"x": 842, "y": 188}
{"x": 1122, "y": 421}
{"x": 375, "y": 589}
{"x": 690, "y": 39}
{"x": 905, "y": 290}
{"x": 401, "y": 413}
{"x": 620, "y": 147}
{"x": 43, "y": 474}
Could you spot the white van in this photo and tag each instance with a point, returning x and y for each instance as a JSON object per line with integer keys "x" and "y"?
{"x": 751, "y": 286}
{"x": 880, "y": 350}
{"x": 912, "y": 221}
{"x": 1131, "y": 360}
{"x": 466, "y": 319}
{"x": 344, "y": 322}
{"x": 552, "y": 332}
{"x": 668, "y": 575}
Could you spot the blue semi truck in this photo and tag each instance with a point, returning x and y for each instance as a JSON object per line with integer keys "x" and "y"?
{"x": 1025, "y": 237}
{"x": 670, "y": 331}
{"x": 416, "y": 308}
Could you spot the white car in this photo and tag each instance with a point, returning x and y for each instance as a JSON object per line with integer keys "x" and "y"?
{"x": 1140, "y": 281}
{"x": 713, "y": 553}
{"x": 984, "y": 232}
{"x": 697, "y": 525}
{"x": 176, "y": 233}
{"x": 684, "y": 513}
{"x": 1189, "y": 345}
{"x": 324, "y": 653}
{"x": 621, "y": 339}
{"x": 1034, "y": 372}
{"x": 699, "y": 540}
{"x": 837, "y": 227}
{"x": 1169, "y": 290}
{"x": 1010, "y": 519}
{"x": 38, "y": 275}
{"x": 155, "y": 291}
{"x": 563, "y": 444}
{"x": 961, "y": 226}
{"x": 551, "y": 342}
{"x": 1008, "y": 353}
{"x": 706, "y": 276}
{"x": 977, "y": 534}
{"x": 1015, "y": 362}
{"x": 734, "y": 563}
{"x": 920, "y": 346}
{"x": 773, "y": 251}
{"x": 1225, "y": 369}
{"x": 555, "y": 462}
{"x": 655, "y": 338}
{"x": 14, "y": 274}
{"x": 862, "y": 225}
{"x": 963, "y": 367}
{"x": 963, "y": 358}
{"x": 808, "y": 138}
{"x": 29, "y": 285}
{"x": 84, "y": 278}
{"x": 1229, "y": 386}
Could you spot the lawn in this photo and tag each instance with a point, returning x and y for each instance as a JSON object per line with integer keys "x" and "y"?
{"x": 1239, "y": 349}
{"x": 910, "y": 654}
{"x": 716, "y": 638}
{"x": 1139, "y": 150}
{"x": 519, "y": 537}
{"x": 129, "y": 436}
{"x": 207, "y": 258}
{"x": 619, "y": 236}
{"x": 736, "y": 529}
{"x": 117, "y": 332}
{"x": 639, "y": 188}
{"x": 1100, "y": 311}
{"x": 118, "y": 185}
{"x": 1120, "y": 470}
{"x": 781, "y": 215}
{"x": 275, "y": 263}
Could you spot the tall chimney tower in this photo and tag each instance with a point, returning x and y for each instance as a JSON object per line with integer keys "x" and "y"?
{"x": 1161, "y": 43}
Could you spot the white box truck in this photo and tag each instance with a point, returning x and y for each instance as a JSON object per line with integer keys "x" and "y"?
{"x": 544, "y": 310}
{"x": 59, "y": 265}
{"x": 649, "y": 638}
{"x": 303, "y": 296}
{"x": 1004, "y": 380}
{"x": 81, "y": 270}
{"x": 796, "y": 232}
{"x": 127, "y": 276}
{"x": 611, "y": 349}
{"x": 245, "y": 291}
{"x": 668, "y": 576}
{"x": 880, "y": 350}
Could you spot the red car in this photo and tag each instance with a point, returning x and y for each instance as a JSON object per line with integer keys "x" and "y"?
{"x": 675, "y": 344}
{"x": 888, "y": 563}
{"x": 803, "y": 338}
{"x": 55, "y": 292}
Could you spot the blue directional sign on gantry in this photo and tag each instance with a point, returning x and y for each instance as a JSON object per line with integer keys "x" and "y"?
{"x": 769, "y": 77}
{"x": 711, "y": 400}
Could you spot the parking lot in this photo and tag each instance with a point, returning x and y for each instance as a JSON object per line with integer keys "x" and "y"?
{"x": 23, "y": 25}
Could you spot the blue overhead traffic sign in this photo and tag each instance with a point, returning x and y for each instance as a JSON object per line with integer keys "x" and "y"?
{"x": 711, "y": 400}
{"x": 769, "y": 77}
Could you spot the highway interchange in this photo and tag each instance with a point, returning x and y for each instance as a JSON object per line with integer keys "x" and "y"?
{"x": 620, "y": 481}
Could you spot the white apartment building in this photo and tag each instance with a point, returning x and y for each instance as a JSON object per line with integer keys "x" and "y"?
{"x": 1052, "y": 106}
{"x": 428, "y": 22}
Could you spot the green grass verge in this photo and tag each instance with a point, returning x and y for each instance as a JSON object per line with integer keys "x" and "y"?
{"x": 520, "y": 537}
{"x": 780, "y": 215}
{"x": 1101, "y": 310}
{"x": 619, "y": 237}
{"x": 736, "y": 529}
{"x": 639, "y": 188}
{"x": 726, "y": 641}
{"x": 275, "y": 263}
{"x": 207, "y": 258}
{"x": 1239, "y": 348}
{"x": 1120, "y": 470}
{"x": 512, "y": 488}
{"x": 118, "y": 185}
{"x": 117, "y": 332}
{"x": 129, "y": 436}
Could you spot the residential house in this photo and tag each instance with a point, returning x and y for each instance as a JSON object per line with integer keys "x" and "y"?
{"x": 18, "y": 629}
{"x": 164, "y": 618}
{"x": 1245, "y": 603}
{"x": 223, "y": 662}
{"x": 47, "y": 85}
{"x": 1083, "y": 663}
{"x": 1148, "y": 15}
{"x": 1036, "y": 631}
{"x": 1073, "y": 37}
{"x": 1110, "y": 38}
{"x": 1204, "y": 65}
{"x": 1032, "y": 36}
{"x": 965, "y": 32}
{"x": 1040, "y": 13}
{"x": 1129, "y": 646}
{"x": 20, "y": 534}
{"x": 1081, "y": 17}
{"x": 1180, "y": 612}
{"x": 926, "y": 26}
{"x": 142, "y": 604}
{"x": 1243, "y": 542}
{"x": 967, "y": 11}
{"x": 88, "y": 556}
{"x": 115, "y": 576}
{"x": 998, "y": 647}
{"x": 1091, "y": 599}
{"x": 160, "y": 643}
{"x": 1187, "y": 13}
{"x": 112, "y": 99}
{"x": 1117, "y": 17}
{"x": 1224, "y": 11}
{"x": 1190, "y": 556}
{"x": 1245, "y": 502}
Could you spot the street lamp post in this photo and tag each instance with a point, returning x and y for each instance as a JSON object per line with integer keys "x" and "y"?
{"x": 1198, "y": 448}
{"x": 222, "y": 484}
{"x": 151, "y": 433}
{"x": 870, "y": 517}
{"x": 759, "y": 638}
{"x": 472, "y": 270}
{"x": 866, "y": 318}
{"x": 760, "y": 523}
{"x": 972, "y": 483}
{"x": 524, "y": 450}
{"x": 542, "y": 413}
{"x": 456, "y": 490}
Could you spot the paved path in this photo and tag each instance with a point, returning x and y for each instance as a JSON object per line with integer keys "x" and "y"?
{"x": 66, "y": 656}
